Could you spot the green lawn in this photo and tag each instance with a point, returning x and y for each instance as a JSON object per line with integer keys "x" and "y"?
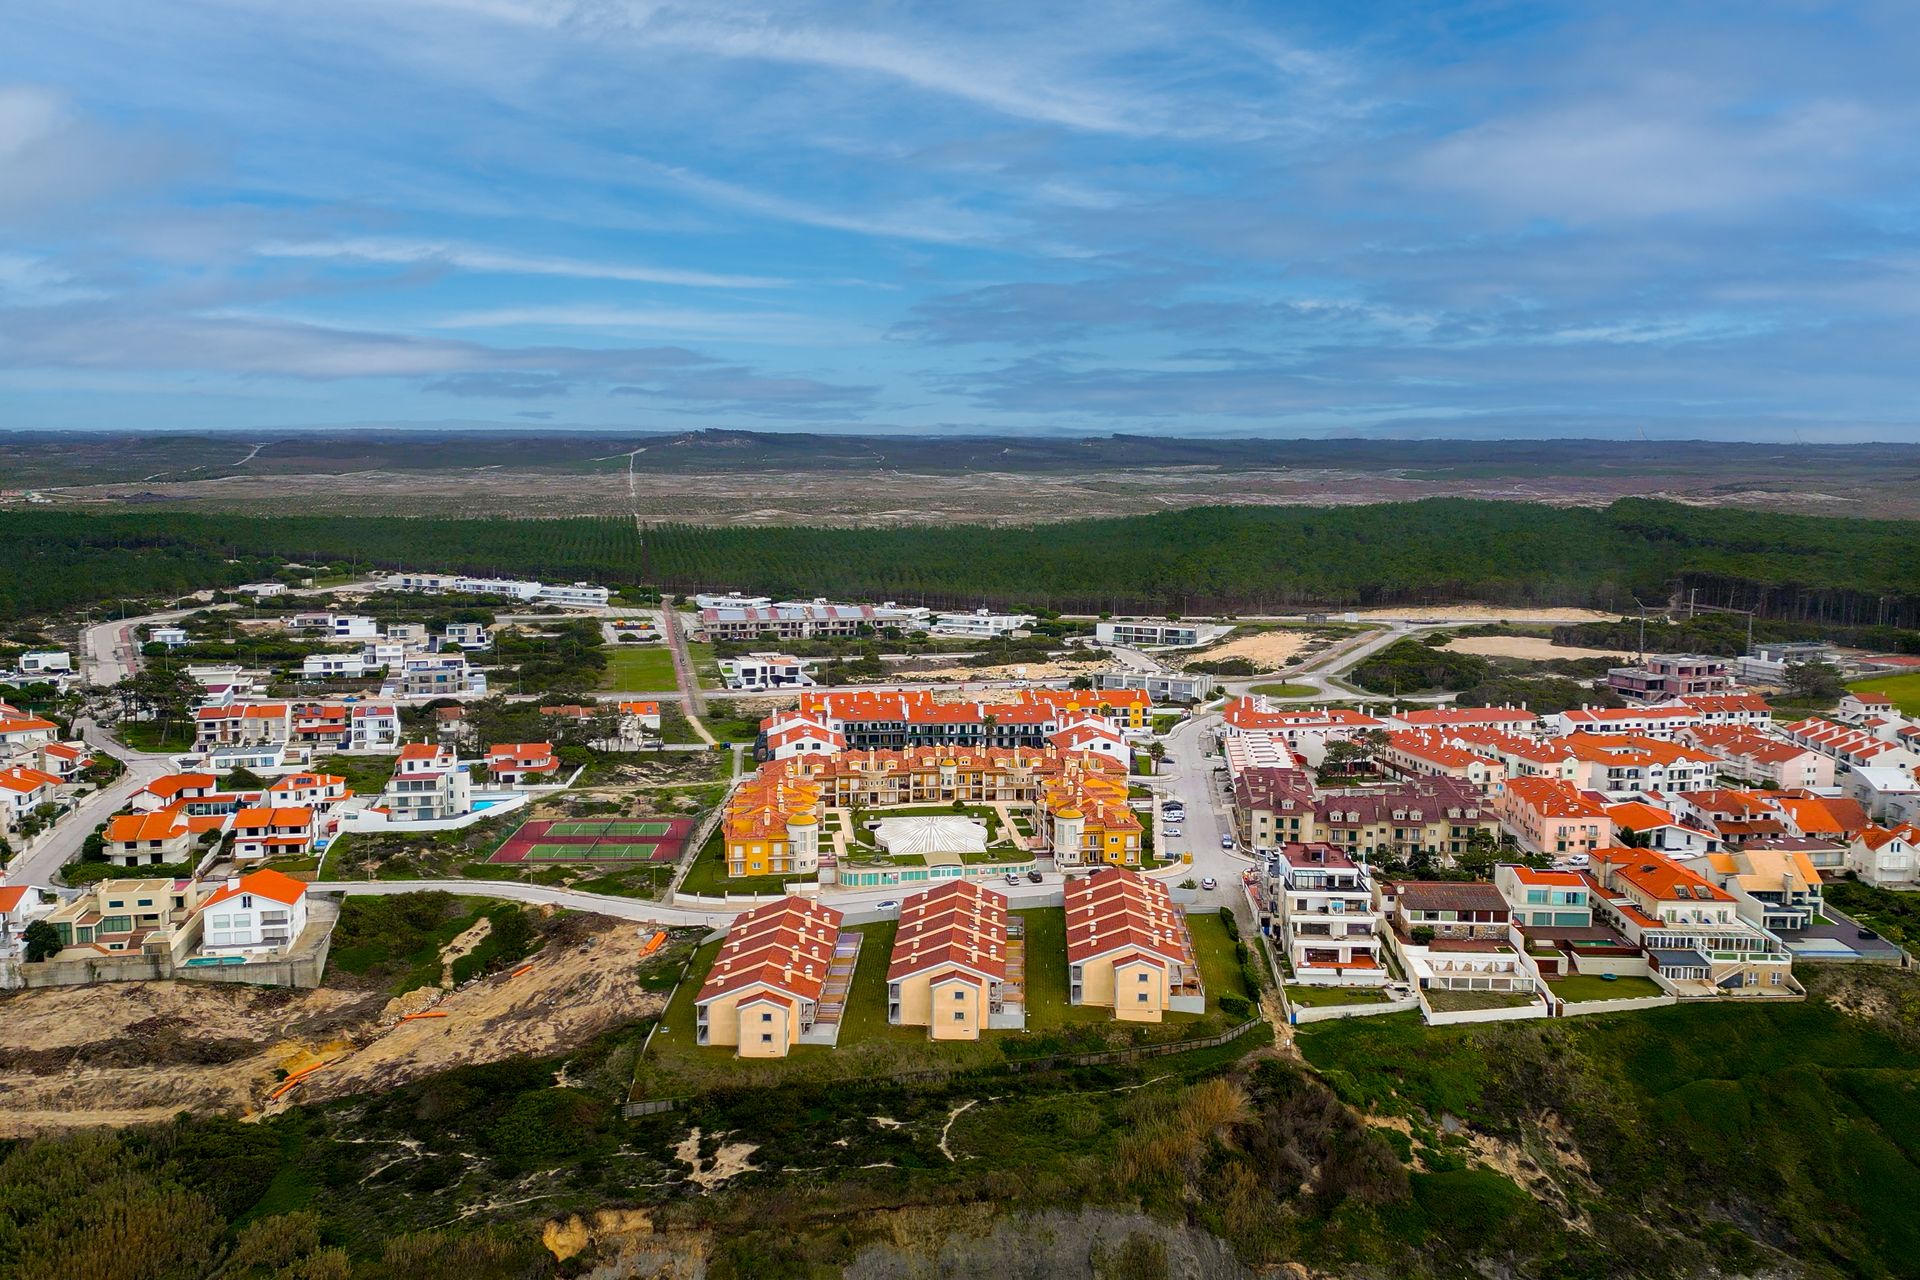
{"x": 1214, "y": 950}
{"x": 639, "y": 668}
{"x": 1325, "y": 997}
{"x": 1582, "y": 986}
{"x": 145, "y": 735}
{"x": 706, "y": 665}
{"x": 1465, "y": 1001}
{"x": 1903, "y": 689}
{"x": 708, "y": 874}
{"x": 1284, "y": 690}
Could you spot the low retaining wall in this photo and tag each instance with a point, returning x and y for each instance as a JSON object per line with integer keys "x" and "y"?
{"x": 1300, "y": 1015}
{"x": 1450, "y": 1018}
{"x": 1579, "y": 1008}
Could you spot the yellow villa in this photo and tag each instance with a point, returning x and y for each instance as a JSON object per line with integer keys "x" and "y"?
{"x": 1128, "y": 948}
{"x": 780, "y": 980}
{"x": 955, "y": 969}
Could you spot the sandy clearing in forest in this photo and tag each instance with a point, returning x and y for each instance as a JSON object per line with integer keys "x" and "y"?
{"x": 1482, "y": 613}
{"x": 1266, "y": 650}
{"x": 1532, "y": 647}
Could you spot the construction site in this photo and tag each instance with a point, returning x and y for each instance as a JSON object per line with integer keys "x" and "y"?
{"x": 131, "y": 1053}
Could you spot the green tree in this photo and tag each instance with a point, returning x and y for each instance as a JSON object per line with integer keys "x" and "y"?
{"x": 1816, "y": 683}
{"x": 42, "y": 941}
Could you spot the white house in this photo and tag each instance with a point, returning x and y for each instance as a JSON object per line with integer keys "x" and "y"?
{"x": 333, "y": 666}
{"x": 45, "y": 661}
{"x": 260, "y": 911}
{"x": 761, "y": 671}
{"x": 172, "y": 637}
{"x": 428, "y": 783}
{"x": 373, "y": 727}
{"x": 1886, "y": 856}
{"x": 469, "y": 635}
{"x": 981, "y": 624}
{"x": 262, "y": 590}
{"x": 577, "y": 595}
{"x": 263, "y": 831}
{"x": 20, "y": 906}
{"x": 383, "y": 655}
{"x": 1321, "y": 905}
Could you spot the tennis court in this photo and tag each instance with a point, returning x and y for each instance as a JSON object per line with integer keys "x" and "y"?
{"x": 604, "y": 829}
{"x": 597, "y": 840}
{"x": 604, "y": 851}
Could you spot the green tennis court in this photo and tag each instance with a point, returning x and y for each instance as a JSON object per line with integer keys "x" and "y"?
{"x": 605, "y": 851}
{"x": 610, "y": 828}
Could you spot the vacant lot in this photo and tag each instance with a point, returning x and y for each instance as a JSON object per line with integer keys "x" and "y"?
{"x": 638, "y": 668}
{"x": 1529, "y": 647}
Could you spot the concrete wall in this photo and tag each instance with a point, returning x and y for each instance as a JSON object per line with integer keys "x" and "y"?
{"x": 301, "y": 967}
{"x": 1436, "y": 1018}
{"x": 1300, "y": 1015}
{"x": 1579, "y": 1008}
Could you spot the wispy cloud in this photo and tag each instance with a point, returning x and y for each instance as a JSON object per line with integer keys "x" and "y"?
{"x": 478, "y": 258}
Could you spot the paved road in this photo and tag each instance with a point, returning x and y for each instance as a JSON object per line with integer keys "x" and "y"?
{"x": 63, "y": 844}
{"x": 513, "y": 890}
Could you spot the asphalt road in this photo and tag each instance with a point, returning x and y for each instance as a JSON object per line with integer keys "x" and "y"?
{"x": 63, "y": 844}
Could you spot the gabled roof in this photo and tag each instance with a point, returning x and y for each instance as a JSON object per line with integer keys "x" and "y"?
{"x": 163, "y": 824}
{"x": 1659, "y": 877}
{"x": 274, "y": 885}
{"x": 958, "y": 924}
{"x": 1448, "y": 895}
{"x": 786, "y": 946}
{"x": 1119, "y": 910}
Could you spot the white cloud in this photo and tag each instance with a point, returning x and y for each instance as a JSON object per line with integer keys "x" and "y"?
{"x": 481, "y": 259}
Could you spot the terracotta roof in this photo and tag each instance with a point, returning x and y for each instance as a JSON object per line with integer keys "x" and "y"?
{"x": 266, "y": 883}
{"x": 786, "y": 946}
{"x": 1554, "y": 798}
{"x": 164, "y": 824}
{"x": 958, "y": 924}
{"x": 1115, "y": 910}
{"x": 1448, "y": 895}
{"x": 1659, "y": 877}
{"x": 248, "y": 819}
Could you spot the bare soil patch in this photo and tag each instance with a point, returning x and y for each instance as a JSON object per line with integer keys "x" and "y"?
{"x": 1266, "y": 650}
{"x": 1533, "y": 648}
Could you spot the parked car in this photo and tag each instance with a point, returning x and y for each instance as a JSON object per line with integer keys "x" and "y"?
{"x": 1172, "y": 831}
{"x": 889, "y": 904}
{"x": 1035, "y": 877}
{"x": 1226, "y": 842}
{"x": 1208, "y": 882}
{"x": 1013, "y": 877}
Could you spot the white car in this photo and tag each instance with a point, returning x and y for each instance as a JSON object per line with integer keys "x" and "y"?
{"x": 1209, "y": 883}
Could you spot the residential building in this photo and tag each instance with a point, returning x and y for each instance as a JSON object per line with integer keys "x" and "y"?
{"x": 1544, "y": 899}
{"x": 440, "y": 675}
{"x": 1425, "y": 753}
{"x": 428, "y": 784}
{"x": 1162, "y": 687}
{"x": 522, "y": 764}
{"x": 1890, "y": 795}
{"x": 20, "y": 906}
{"x": 981, "y": 624}
{"x": 258, "y": 912}
{"x": 1298, "y": 727}
{"x": 574, "y": 595}
{"x": 242, "y": 724}
{"x": 111, "y": 916}
{"x": 1273, "y": 807}
{"x": 779, "y": 980}
{"x": 760, "y": 672}
{"x": 1748, "y": 755}
{"x": 312, "y": 790}
{"x": 384, "y": 655}
{"x": 1453, "y": 909}
{"x": 469, "y": 635}
{"x": 1321, "y": 904}
{"x": 915, "y": 718}
{"x": 1767, "y": 663}
{"x": 1129, "y": 949}
{"x": 261, "y": 590}
{"x": 171, "y": 637}
{"x": 1691, "y": 930}
{"x": 373, "y": 728}
{"x": 24, "y": 789}
{"x": 339, "y": 626}
{"x": 40, "y": 662}
{"x": 731, "y": 600}
{"x": 21, "y": 733}
{"x": 1552, "y": 816}
{"x": 1454, "y": 936}
{"x": 333, "y": 666}
{"x": 1661, "y": 677}
{"x": 1255, "y": 750}
{"x": 1887, "y": 856}
{"x": 1438, "y": 817}
{"x": 1860, "y": 704}
{"x": 1664, "y": 721}
{"x": 1739, "y": 710}
{"x": 794, "y": 620}
{"x": 1515, "y": 720}
{"x": 1660, "y": 830}
{"x": 957, "y": 968}
{"x": 1772, "y": 888}
{"x": 272, "y": 832}
{"x": 149, "y": 839}
{"x": 1849, "y": 746}
{"x": 1155, "y": 633}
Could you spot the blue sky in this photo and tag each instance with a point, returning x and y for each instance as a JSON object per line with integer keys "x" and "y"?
{"x": 1228, "y": 219}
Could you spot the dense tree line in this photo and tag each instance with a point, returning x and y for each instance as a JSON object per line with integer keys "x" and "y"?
{"x": 1205, "y": 559}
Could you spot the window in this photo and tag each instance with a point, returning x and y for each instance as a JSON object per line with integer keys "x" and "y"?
{"x": 766, "y": 1039}
{"x": 959, "y": 995}
{"x": 959, "y": 1016}
{"x": 766, "y": 1017}
{"x": 1141, "y": 978}
{"x": 1141, "y": 998}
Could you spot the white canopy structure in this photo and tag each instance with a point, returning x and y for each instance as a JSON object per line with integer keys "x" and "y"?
{"x": 931, "y": 835}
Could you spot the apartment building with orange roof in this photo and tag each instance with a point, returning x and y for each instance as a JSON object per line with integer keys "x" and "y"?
{"x": 780, "y": 980}
{"x": 1293, "y": 725}
{"x": 1749, "y": 755}
{"x": 1735, "y": 710}
{"x": 1424, "y": 753}
{"x": 957, "y": 967}
{"x": 1129, "y": 949}
{"x": 1552, "y": 816}
{"x": 268, "y": 831}
{"x": 149, "y": 839}
{"x": 522, "y": 764}
{"x": 772, "y": 822}
{"x": 1662, "y": 721}
{"x": 1695, "y": 940}
{"x": 1849, "y": 746}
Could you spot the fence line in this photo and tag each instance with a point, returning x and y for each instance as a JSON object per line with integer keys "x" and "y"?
{"x": 659, "y": 1106}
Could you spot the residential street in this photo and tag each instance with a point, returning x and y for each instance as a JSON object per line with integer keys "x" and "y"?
{"x": 63, "y": 845}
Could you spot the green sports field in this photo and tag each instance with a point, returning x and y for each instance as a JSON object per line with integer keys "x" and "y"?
{"x": 604, "y": 829}
{"x": 605, "y": 851}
